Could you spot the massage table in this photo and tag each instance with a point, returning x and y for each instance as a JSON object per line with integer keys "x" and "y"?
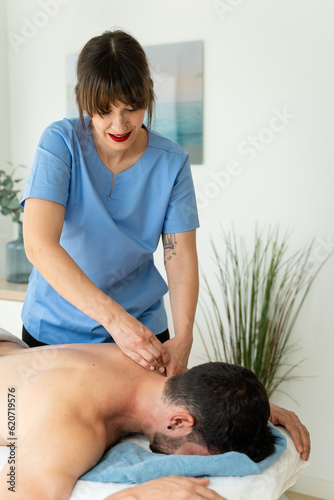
{"x": 269, "y": 485}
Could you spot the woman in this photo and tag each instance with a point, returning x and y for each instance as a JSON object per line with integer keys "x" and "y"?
{"x": 102, "y": 190}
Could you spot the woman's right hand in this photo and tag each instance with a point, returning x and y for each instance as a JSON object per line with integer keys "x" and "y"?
{"x": 136, "y": 341}
{"x": 167, "y": 488}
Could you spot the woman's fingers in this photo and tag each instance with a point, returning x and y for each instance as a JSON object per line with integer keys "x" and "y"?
{"x": 164, "y": 356}
{"x": 149, "y": 352}
{"x": 146, "y": 357}
{"x": 139, "y": 343}
{"x": 149, "y": 361}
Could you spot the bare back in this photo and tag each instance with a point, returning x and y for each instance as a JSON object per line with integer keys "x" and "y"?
{"x": 67, "y": 402}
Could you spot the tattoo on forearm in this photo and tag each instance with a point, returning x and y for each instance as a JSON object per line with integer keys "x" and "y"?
{"x": 169, "y": 243}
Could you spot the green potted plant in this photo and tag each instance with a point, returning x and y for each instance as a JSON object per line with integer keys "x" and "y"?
{"x": 250, "y": 319}
{"x": 18, "y": 268}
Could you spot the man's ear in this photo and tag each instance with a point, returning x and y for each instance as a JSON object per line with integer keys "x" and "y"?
{"x": 180, "y": 423}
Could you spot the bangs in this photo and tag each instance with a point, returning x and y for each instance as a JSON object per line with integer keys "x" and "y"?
{"x": 111, "y": 83}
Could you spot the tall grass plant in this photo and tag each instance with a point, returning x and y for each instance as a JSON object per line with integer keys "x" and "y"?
{"x": 250, "y": 320}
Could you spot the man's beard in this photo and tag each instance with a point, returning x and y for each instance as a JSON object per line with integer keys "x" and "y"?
{"x": 166, "y": 444}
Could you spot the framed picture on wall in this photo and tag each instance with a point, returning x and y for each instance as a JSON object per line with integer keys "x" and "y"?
{"x": 177, "y": 71}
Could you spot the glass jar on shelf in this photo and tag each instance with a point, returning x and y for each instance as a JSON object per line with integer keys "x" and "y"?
{"x": 18, "y": 268}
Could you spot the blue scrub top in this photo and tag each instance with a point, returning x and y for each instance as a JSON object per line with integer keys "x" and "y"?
{"x": 111, "y": 235}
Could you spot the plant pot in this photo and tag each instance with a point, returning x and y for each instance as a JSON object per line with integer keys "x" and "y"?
{"x": 18, "y": 268}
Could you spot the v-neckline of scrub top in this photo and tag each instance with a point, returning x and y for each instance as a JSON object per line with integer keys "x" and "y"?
{"x": 129, "y": 173}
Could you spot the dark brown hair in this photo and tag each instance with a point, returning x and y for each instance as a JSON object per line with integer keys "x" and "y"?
{"x": 113, "y": 67}
{"x": 230, "y": 408}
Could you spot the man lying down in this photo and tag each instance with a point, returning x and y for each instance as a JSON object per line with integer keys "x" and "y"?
{"x": 72, "y": 402}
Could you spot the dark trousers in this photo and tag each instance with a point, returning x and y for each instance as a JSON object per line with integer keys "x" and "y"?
{"x": 32, "y": 342}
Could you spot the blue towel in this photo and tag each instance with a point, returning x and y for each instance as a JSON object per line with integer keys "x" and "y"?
{"x": 130, "y": 463}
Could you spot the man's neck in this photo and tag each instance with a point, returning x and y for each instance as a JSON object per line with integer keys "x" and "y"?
{"x": 139, "y": 405}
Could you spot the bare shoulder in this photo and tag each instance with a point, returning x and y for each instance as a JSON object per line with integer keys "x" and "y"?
{"x": 8, "y": 348}
{"x": 54, "y": 379}
{"x": 46, "y": 381}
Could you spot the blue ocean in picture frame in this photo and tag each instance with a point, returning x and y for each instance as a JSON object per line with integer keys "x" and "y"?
{"x": 182, "y": 123}
{"x": 177, "y": 71}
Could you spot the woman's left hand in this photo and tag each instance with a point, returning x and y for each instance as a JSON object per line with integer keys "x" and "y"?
{"x": 298, "y": 431}
{"x": 178, "y": 349}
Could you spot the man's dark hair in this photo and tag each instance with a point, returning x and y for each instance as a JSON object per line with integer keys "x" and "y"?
{"x": 113, "y": 67}
{"x": 230, "y": 408}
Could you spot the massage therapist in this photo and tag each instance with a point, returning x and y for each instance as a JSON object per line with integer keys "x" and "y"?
{"x": 102, "y": 190}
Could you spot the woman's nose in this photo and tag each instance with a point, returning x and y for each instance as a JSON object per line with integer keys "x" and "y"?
{"x": 119, "y": 124}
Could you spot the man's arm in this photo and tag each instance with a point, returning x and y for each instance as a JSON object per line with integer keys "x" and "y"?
{"x": 165, "y": 488}
{"x": 181, "y": 265}
{"x": 298, "y": 431}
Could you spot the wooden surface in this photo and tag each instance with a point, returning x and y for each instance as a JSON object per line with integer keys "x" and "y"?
{"x": 12, "y": 291}
{"x": 298, "y": 496}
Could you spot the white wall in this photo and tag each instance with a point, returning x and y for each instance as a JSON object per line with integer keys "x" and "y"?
{"x": 261, "y": 58}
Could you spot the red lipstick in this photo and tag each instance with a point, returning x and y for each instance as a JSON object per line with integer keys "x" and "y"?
{"x": 120, "y": 138}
